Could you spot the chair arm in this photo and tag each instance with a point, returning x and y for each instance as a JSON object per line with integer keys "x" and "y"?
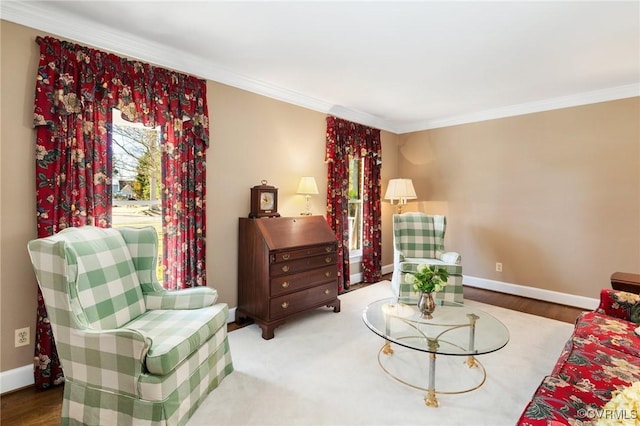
{"x": 617, "y": 303}
{"x": 190, "y": 298}
{"x": 451, "y": 257}
{"x": 107, "y": 359}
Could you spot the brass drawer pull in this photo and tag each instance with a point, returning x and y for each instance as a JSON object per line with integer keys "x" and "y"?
{"x": 327, "y": 291}
{"x": 285, "y": 268}
{"x": 285, "y": 256}
{"x": 285, "y": 305}
{"x": 285, "y": 284}
{"x": 327, "y": 274}
{"x": 328, "y": 259}
{"x": 327, "y": 249}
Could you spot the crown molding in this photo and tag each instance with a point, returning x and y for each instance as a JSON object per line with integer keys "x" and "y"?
{"x": 604, "y": 95}
{"x": 101, "y": 36}
{"x": 44, "y": 18}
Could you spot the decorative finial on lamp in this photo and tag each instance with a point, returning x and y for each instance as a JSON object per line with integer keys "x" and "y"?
{"x": 307, "y": 187}
{"x": 400, "y": 190}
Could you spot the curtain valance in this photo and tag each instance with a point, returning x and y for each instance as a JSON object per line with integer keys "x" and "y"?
{"x": 346, "y": 137}
{"x": 71, "y": 75}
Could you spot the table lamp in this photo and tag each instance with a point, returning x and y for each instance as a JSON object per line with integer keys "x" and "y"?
{"x": 307, "y": 187}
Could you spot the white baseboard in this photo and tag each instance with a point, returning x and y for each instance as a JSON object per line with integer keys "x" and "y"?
{"x": 357, "y": 278}
{"x": 17, "y": 378}
{"x": 533, "y": 293}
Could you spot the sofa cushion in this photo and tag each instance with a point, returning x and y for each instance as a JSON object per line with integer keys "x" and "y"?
{"x": 596, "y": 368}
{"x": 556, "y": 400}
{"x": 608, "y": 331}
{"x": 176, "y": 334}
{"x": 106, "y": 285}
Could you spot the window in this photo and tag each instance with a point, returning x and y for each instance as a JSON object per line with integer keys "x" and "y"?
{"x": 356, "y": 169}
{"x": 136, "y": 179}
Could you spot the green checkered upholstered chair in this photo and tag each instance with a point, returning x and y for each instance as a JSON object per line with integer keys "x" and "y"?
{"x": 419, "y": 238}
{"x": 132, "y": 352}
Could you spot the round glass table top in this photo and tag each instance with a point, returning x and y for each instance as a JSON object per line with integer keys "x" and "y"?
{"x": 452, "y": 330}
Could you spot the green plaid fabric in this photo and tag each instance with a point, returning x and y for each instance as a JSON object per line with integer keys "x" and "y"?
{"x": 106, "y": 283}
{"x": 125, "y": 363}
{"x": 142, "y": 244}
{"x": 190, "y": 298}
{"x": 418, "y": 235}
{"x": 450, "y": 294}
{"x": 171, "y": 344}
{"x": 419, "y": 239}
{"x": 411, "y": 265}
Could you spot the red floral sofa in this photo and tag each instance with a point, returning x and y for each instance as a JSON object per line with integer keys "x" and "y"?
{"x": 602, "y": 356}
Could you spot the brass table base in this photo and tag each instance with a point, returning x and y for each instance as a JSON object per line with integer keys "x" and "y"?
{"x": 430, "y": 399}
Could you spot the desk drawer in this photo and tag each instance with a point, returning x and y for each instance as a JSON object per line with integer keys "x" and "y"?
{"x": 290, "y": 283}
{"x": 285, "y": 256}
{"x": 299, "y": 265}
{"x": 303, "y": 299}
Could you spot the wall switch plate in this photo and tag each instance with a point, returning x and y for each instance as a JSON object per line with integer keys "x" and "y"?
{"x": 22, "y": 337}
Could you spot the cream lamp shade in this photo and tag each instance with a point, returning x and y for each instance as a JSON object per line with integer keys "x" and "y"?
{"x": 307, "y": 187}
{"x": 400, "y": 190}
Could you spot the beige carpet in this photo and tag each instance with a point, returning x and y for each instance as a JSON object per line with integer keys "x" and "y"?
{"x": 322, "y": 369}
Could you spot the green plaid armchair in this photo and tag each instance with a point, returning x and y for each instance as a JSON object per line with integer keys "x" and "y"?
{"x": 132, "y": 352}
{"x": 419, "y": 238}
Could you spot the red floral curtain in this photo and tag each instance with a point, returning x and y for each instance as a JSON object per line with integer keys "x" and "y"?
{"x": 76, "y": 88}
{"x": 346, "y": 138}
{"x": 183, "y": 195}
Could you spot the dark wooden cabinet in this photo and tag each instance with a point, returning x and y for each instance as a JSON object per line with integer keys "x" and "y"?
{"x": 286, "y": 265}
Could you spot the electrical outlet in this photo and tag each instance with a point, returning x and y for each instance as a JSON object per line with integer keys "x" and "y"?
{"x": 498, "y": 267}
{"x": 22, "y": 336}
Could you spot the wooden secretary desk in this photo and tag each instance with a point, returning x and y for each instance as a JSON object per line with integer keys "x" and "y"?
{"x": 286, "y": 265}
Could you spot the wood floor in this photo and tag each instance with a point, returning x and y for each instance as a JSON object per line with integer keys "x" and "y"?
{"x": 30, "y": 406}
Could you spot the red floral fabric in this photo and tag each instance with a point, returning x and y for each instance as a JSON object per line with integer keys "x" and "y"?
{"x": 609, "y": 331}
{"x": 596, "y": 368}
{"x": 557, "y": 403}
{"x": 76, "y": 88}
{"x": 617, "y": 303}
{"x": 602, "y": 356}
{"x": 183, "y": 199}
{"x": 346, "y": 138}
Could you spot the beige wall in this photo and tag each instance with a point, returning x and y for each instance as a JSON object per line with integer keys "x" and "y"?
{"x": 252, "y": 138}
{"x": 255, "y": 138}
{"x": 18, "y": 66}
{"x": 554, "y": 196}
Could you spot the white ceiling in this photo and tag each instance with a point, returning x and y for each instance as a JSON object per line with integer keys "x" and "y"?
{"x": 398, "y": 66}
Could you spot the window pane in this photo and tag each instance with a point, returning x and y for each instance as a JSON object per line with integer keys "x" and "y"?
{"x": 354, "y": 178}
{"x": 355, "y": 205}
{"x": 136, "y": 178}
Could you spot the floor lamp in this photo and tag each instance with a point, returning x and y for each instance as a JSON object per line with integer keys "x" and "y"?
{"x": 400, "y": 190}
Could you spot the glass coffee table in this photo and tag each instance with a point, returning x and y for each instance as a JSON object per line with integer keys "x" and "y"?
{"x": 455, "y": 330}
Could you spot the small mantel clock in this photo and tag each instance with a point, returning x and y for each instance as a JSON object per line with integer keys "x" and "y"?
{"x": 264, "y": 201}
